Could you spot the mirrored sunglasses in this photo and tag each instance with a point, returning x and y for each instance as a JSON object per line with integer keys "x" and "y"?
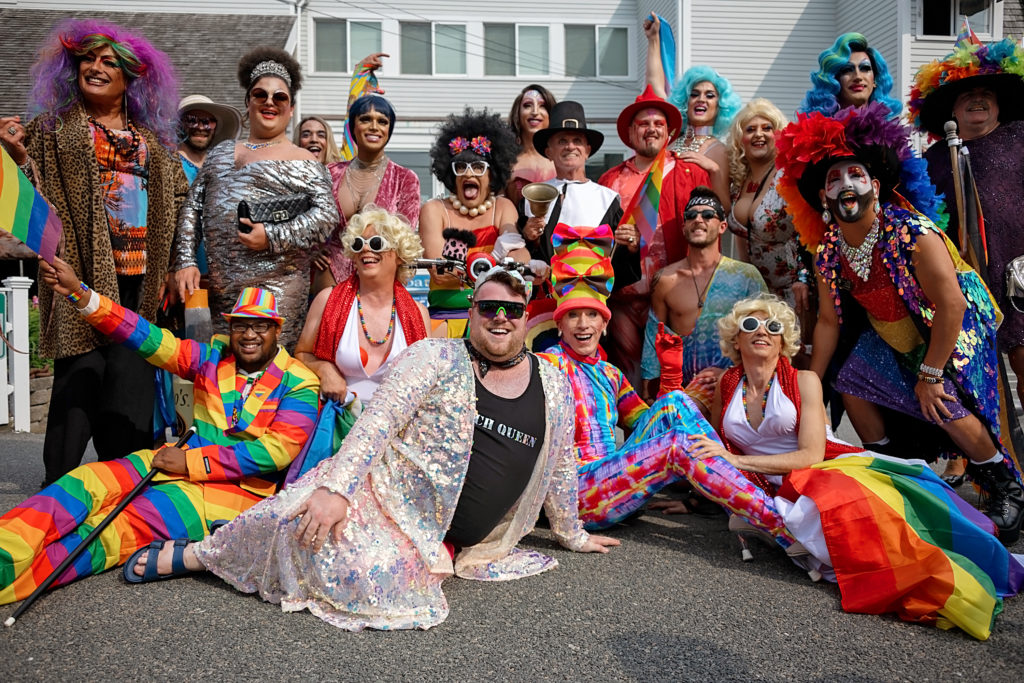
{"x": 261, "y": 95}
{"x": 258, "y": 326}
{"x": 771, "y": 325}
{"x": 512, "y": 310}
{"x": 376, "y": 244}
{"x": 193, "y": 121}
{"x": 706, "y": 214}
{"x": 474, "y": 168}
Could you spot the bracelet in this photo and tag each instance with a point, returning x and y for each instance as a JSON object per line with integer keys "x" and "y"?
{"x": 929, "y": 370}
{"x": 26, "y": 167}
{"x": 803, "y": 276}
{"x": 928, "y": 379}
{"x": 75, "y": 297}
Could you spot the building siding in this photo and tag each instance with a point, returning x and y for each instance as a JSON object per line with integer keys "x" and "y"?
{"x": 162, "y": 6}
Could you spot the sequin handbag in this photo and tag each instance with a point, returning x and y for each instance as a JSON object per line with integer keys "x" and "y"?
{"x": 1015, "y": 283}
{"x": 279, "y": 208}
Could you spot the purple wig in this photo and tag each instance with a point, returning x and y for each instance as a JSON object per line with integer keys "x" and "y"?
{"x": 151, "y": 90}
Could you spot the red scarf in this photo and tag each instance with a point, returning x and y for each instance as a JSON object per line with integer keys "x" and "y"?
{"x": 787, "y": 377}
{"x": 339, "y": 304}
{"x": 589, "y": 360}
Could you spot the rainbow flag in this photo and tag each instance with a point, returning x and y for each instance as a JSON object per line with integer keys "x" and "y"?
{"x": 967, "y": 34}
{"x": 24, "y": 213}
{"x": 364, "y": 82}
{"x": 902, "y": 541}
{"x": 643, "y": 208}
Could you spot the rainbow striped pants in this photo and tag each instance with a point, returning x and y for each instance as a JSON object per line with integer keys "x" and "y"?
{"x": 38, "y": 534}
{"x": 655, "y": 455}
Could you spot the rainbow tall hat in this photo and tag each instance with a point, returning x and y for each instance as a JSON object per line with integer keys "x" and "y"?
{"x": 581, "y": 269}
{"x": 998, "y": 66}
{"x": 254, "y": 302}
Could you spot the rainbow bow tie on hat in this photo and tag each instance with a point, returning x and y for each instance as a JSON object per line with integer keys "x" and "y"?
{"x": 254, "y": 302}
{"x": 565, "y": 238}
{"x": 582, "y": 276}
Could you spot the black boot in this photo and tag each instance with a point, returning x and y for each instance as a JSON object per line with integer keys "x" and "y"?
{"x": 1005, "y": 498}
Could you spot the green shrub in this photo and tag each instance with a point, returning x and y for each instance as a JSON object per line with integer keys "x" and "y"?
{"x": 35, "y": 360}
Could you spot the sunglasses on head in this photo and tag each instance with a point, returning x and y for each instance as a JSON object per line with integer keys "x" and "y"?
{"x": 261, "y": 95}
{"x": 512, "y": 310}
{"x": 750, "y": 324}
{"x": 376, "y": 244}
{"x": 706, "y": 214}
{"x": 257, "y": 326}
{"x": 475, "y": 168}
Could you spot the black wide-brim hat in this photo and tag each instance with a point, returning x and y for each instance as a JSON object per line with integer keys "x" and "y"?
{"x": 567, "y": 116}
{"x": 937, "y": 108}
{"x": 882, "y": 163}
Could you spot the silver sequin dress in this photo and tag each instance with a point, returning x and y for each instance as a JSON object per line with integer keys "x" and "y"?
{"x": 402, "y": 467}
{"x": 211, "y": 210}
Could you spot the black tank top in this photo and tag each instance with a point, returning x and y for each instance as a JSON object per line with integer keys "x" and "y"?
{"x": 506, "y": 442}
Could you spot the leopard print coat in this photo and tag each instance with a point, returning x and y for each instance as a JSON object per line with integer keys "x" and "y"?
{"x": 68, "y": 176}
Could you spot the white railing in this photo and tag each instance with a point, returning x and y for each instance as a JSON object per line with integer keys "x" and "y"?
{"x": 14, "y": 364}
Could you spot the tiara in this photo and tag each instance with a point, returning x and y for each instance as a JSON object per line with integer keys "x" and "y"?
{"x": 270, "y": 68}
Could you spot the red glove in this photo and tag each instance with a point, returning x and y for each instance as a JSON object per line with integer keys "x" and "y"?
{"x": 669, "y": 348}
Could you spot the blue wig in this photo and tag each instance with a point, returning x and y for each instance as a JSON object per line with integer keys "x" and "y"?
{"x": 729, "y": 102}
{"x": 363, "y": 104}
{"x": 825, "y": 81}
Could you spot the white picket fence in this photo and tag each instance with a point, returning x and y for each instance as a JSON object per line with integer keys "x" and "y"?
{"x": 14, "y": 364}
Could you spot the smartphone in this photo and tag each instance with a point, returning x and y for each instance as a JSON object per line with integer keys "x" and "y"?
{"x": 243, "y": 212}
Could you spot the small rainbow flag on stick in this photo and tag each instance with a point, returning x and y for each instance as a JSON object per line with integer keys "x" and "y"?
{"x": 643, "y": 208}
{"x": 24, "y": 213}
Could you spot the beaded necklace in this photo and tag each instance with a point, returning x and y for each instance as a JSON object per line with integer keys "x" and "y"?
{"x": 366, "y": 332}
{"x": 859, "y": 257}
{"x": 764, "y": 399}
{"x": 126, "y": 149}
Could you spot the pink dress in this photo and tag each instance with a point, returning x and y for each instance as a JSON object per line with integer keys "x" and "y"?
{"x": 399, "y": 192}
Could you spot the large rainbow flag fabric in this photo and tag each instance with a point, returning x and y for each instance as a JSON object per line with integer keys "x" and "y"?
{"x": 901, "y": 540}
{"x": 24, "y": 213}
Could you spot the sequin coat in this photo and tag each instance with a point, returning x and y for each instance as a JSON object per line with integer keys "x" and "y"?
{"x": 402, "y": 468}
{"x": 211, "y": 213}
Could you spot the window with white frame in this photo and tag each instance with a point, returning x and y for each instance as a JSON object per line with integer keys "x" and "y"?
{"x": 432, "y": 48}
{"x": 596, "y": 51}
{"x": 515, "y": 50}
{"x": 944, "y": 17}
{"x": 338, "y": 43}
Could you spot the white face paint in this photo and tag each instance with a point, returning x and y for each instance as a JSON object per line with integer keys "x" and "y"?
{"x": 848, "y": 190}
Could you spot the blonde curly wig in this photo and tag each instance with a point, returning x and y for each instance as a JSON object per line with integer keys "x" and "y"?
{"x": 738, "y": 167}
{"x": 768, "y": 304}
{"x": 392, "y": 227}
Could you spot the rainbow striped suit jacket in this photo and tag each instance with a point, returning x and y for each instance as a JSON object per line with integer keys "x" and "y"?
{"x": 272, "y": 424}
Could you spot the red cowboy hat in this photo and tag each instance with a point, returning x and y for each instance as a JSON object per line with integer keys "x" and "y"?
{"x": 646, "y": 100}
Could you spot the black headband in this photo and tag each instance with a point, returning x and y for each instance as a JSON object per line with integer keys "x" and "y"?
{"x": 702, "y": 200}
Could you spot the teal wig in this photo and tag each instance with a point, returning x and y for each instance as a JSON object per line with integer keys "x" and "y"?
{"x": 729, "y": 102}
{"x": 825, "y": 81}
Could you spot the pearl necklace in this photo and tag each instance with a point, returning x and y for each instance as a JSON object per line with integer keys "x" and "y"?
{"x": 261, "y": 145}
{"x": 859, "y": 257}
{"x": 476, "y": 210}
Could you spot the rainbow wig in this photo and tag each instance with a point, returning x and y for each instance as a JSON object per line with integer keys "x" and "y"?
{"x": 728, "y": 101}
{"x": 152, "y": 88}
{"x": 868, "y": 134}
{"x": 825, "y": 81}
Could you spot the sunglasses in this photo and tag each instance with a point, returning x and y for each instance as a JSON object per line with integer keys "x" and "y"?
{"x": 512, "y": 310}
{"x": 261, "y": 95}
{"x": 199, "y": 121}
{"x": 257, "y": 326}
{"x": 376, "y": 244}
{"x": 750, "y": 324}
{"x": 475, "y": 168}
{"x": 706, "y": 214}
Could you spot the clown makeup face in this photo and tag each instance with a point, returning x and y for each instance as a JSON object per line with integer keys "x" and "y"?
{"x": 856, "y": 80}
{"x": 702, "y": 104}
{"x": 581, "y": 330}
{"x": 849, "y": 191}
{"x": 649, "y": 132}
{"x": 533, "y": 112}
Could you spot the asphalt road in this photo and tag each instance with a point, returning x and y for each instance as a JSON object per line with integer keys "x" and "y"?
{"x": 674, "y": 602}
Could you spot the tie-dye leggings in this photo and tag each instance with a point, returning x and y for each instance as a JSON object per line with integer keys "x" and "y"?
{"x": 655, "y": 455}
